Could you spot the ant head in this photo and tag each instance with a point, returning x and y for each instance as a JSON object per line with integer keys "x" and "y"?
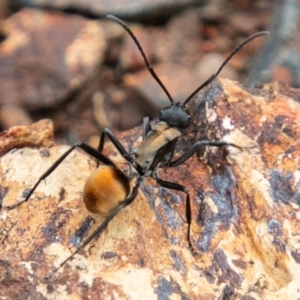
{"x": 176, "y": 115}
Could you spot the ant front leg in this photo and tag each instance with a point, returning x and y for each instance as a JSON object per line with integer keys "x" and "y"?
{"x": 188, "y": 207}
{"x": 196, "y": 147}
{"x": 88, "y": 149}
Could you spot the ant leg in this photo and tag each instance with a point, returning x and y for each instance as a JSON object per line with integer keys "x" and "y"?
{"x": 98, "y": 230}
{"x": 88, "y": 149}
{"x": 190, "y": 152}
{"x": 146, "y": 126}
{"x": 116, "y": 142}
{"x": 113, "y": 139}
{"x": 188, "y": 207}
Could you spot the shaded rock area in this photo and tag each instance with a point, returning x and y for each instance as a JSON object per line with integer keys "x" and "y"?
{"x": 245, "y": 205}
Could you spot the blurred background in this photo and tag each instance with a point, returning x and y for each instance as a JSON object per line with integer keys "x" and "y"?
{"x": 64, "y": 60}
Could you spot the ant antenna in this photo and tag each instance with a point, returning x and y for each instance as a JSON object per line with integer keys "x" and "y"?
{"x": 205, "y": 83}
{"x": 150, "y": 68}
{"x": 213, "y": 76}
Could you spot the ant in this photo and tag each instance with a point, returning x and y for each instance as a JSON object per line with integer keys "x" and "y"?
{"x": 107, "y": 190}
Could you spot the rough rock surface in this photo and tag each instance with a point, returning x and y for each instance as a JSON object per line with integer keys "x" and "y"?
{"x": 36, "y": 135}
{"x": 245, "y": 213}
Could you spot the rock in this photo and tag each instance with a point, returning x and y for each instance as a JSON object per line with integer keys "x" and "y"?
{"x": 215, "y": 11}
{"x": 46, "y": 57}
{"x": 120, "y": 108}
{"x": 4, "y": 12}
{"x": 131, "y": 58}
{"x": 12, "y": 115}
{"x": 124, "y": 9}
{"x": 212, "y": 61}
{"x": 279, "y": 58}
{"x": 39, "y": 134}
{"x": 180, "y": 42}
{"x": 244, "y": 22}
{"x": 245, "y": 205}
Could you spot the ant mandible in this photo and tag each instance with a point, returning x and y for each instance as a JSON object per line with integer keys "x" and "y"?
{"x": 107, "y": 190}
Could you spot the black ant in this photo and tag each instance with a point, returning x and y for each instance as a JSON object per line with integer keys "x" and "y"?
{"x": 107, "y": 190}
